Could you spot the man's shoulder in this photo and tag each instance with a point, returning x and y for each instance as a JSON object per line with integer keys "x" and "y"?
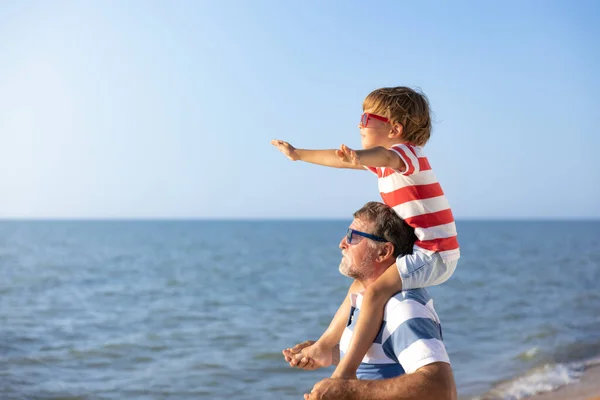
{"x": 410, "y": 303}
{"x": 420, "y": 296}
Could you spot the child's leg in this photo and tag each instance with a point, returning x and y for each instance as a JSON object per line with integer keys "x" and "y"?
{"x": 419, "y": 270}
{"x": 369, "y": 321}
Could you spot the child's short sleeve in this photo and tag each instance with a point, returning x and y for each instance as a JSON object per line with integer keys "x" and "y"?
{"x": 408, "y": 155}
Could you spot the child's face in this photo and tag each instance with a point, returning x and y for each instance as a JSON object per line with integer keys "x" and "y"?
{"x": 376, "y": 133}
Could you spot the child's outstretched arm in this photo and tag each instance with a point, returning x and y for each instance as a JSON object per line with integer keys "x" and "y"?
{"x": 373, "y": 157}
{"x": 327, "y": 158}
{"x": 369, "y": 321}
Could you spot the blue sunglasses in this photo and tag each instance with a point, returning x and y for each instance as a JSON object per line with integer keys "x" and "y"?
{"x": 350, "y": 232}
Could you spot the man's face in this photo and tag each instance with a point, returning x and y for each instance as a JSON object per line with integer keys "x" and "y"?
{"x": 358, "y": 257}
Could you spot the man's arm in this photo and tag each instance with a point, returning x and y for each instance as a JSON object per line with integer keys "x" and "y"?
{"x": 327, "y": 158}
{"x": 431, "y": 382}
{"x": 320, "y": 353}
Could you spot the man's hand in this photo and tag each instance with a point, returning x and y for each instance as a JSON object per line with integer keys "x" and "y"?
{"x": 346, "y": 154}
{"x": 287, "y": 149}
{"x": 331, "y": 389}
{"x": 310, "y": 355}
{"x": 296, "y": 359}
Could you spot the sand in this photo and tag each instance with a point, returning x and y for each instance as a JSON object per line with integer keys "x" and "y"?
{"x": 588, "y": 388}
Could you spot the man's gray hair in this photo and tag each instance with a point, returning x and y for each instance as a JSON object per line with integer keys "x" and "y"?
{"x": 388, "y": 225}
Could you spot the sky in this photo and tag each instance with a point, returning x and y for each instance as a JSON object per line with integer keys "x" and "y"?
{"x": 156, "y": 109}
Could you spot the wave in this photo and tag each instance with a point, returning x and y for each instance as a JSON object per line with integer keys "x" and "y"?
{"x": 545, "y": 378}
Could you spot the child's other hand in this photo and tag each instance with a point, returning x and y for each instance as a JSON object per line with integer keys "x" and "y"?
{"x": 287, "y": 149}
{"x": 348, "y": 155}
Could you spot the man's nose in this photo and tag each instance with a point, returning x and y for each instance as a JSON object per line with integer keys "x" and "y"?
{"x": 343, "y": 243}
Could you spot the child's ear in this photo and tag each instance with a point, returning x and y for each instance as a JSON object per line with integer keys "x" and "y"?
{"x": 396, "y": 132}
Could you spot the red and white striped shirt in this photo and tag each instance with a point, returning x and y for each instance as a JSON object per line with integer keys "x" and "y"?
{"x": 418, "y": 198}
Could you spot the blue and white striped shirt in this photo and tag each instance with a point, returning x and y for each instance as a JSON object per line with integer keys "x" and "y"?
{"x": 410, "y": 336}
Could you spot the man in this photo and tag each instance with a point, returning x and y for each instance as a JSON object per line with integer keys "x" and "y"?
{"x": 408, "y": 359}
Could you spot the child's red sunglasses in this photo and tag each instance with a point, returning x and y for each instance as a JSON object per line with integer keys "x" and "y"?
{"x": 364, "y": 119}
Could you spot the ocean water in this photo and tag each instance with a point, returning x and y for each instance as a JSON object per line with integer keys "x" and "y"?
{"x": 202, "y": 309}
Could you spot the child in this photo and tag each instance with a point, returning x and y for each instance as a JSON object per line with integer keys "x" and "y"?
{"x": 394, "y": 126}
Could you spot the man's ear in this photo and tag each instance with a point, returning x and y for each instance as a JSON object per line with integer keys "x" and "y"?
{"x": 387, "y": 250}
{"x": 396, "y": 131}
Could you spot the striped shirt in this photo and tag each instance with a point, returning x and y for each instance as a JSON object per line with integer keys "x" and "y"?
{"x": 410, "y": 336}
{"x": 418, "y": 198}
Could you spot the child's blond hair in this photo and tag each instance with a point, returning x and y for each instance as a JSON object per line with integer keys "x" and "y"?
{"x": 406, "y": 106}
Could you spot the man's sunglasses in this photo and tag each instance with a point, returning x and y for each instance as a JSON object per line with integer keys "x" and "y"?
{"x": 366, "y": 117}
{"x": 351, "y": 232}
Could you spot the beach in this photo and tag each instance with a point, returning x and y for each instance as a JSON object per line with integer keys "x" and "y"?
{"x": 588, "y": 388}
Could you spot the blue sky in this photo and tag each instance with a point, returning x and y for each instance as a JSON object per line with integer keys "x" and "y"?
{"x": 165, "y": 109}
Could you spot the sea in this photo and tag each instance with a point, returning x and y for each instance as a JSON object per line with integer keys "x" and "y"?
{"x": 202, "y": 309}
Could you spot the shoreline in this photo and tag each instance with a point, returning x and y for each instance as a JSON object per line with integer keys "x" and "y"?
{"x": 588, "y": 388}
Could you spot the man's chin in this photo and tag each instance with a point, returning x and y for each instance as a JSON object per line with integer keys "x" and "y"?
{"x": 345, "y": 268}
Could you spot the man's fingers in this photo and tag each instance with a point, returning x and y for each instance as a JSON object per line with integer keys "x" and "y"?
{"x": 303, "y": 362}
{"x": 287, "y": 354}
{"x": 297, "y": 348}
{"x": 311, "y": 396}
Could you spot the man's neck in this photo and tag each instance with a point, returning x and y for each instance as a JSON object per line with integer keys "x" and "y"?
{"x": 366, "y": 282}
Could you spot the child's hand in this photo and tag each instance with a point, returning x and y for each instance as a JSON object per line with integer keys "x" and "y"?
{"x": 287, "y": 149}
{"x": 348, "y": 155}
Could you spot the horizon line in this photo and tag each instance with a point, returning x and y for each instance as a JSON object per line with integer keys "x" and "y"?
{"x": 217, "y": 219}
